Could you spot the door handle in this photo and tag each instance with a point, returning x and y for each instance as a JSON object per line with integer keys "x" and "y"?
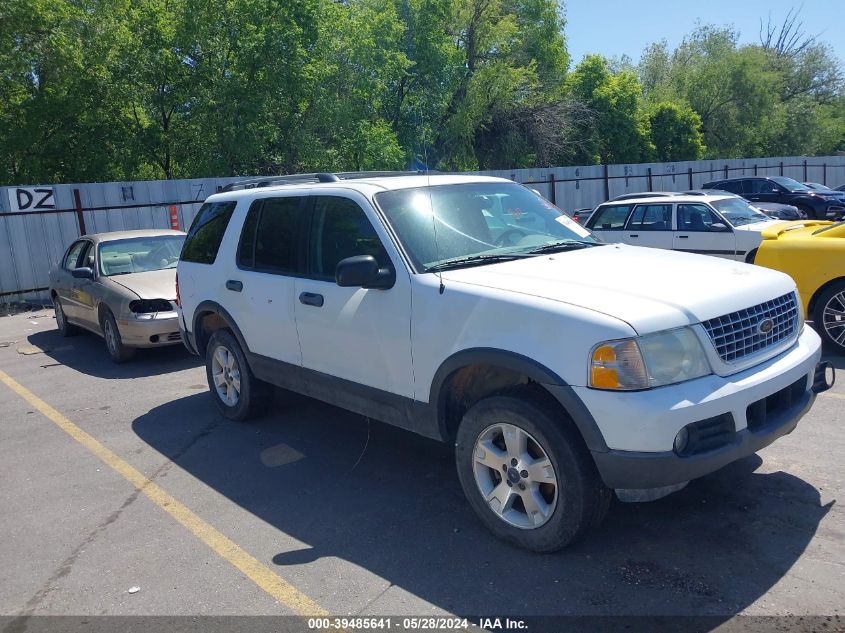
{"x": 683, "y": 237}
{"x": 234, "y": 284}
{"x": 311, "y": 299}
{"x": 634, "y": 235}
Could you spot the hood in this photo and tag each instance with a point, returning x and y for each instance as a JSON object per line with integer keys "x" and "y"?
{"x": 650, "y": 289}
{"x": 155, "y": 284}
{"x": 762, "y": 225}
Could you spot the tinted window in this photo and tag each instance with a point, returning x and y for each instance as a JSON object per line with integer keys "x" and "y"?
{"x": 341, "y": 229}
{"x": 73, "y": 255}
{"x": 276, "y": 236}
{"x": 651, "y": 217}
{"x": 610, "y": 218}
{"x": 246, "y": 247}
{"x": 696, "y": 217}
{"x": 732, "y": 186}
{"x": 760, "y": 185}
{"x": 206, "y": 232}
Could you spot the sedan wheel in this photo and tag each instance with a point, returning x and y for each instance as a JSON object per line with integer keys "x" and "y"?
{"x": 227, "y": 375}
{"x": 65, "y": 328}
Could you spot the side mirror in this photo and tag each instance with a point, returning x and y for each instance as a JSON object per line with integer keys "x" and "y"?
{"x": 720, "y": 228}
{"x": 82, "y": 273}
{"x": 363, "y": 271}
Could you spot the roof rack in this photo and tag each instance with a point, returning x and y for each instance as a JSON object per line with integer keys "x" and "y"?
{"x": 295, "y": 179}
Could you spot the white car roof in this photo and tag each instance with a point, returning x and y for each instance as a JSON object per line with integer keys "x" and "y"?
{"x": 367, "y": 186}
{"x": 672, "y": 198}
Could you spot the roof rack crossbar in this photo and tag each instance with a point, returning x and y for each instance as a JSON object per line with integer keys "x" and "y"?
{"x": 292, "y": 179}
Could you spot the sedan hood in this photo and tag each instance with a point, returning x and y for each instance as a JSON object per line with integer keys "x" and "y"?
{"x": 155, "y": 284}
{"x": 762, "y": 225}
{"x": 650, "y": 289}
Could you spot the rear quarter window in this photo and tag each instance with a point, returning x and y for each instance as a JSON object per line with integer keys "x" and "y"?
{"x": 206, "y": 232}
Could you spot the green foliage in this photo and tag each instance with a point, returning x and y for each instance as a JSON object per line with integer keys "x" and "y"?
{"x": 675, "y": 132}
{"x": 125, "y": 89}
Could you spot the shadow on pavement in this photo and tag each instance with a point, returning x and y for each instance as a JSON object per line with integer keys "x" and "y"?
{"x": 86, "y": 352}
{"x": 396, "y": 509}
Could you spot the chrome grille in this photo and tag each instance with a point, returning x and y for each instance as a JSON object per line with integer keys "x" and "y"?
{"x": 736, "y": 335}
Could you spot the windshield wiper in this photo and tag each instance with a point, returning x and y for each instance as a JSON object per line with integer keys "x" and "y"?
{"x": 475, "y": 260}
{"x": 564, "y": 245}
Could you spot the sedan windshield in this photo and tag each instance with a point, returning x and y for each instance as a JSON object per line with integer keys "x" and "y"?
{"x": 791, "y": 185}
{"x": 140, "y": 254}
{"x": 738, "y": 212}
{"x": 468, "y": 224}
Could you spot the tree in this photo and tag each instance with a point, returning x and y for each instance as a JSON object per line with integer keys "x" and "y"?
{"x": 618, "y": 131}
{"x": 675, "y": 132}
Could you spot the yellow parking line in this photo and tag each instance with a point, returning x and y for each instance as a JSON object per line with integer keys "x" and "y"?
{"x": 261, "y": 575}
{"x": 828, "y": 394}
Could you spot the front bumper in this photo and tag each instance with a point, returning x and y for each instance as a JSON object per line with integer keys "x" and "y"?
{"x": 159, "y": 330}
{"x": 639, "y": 428}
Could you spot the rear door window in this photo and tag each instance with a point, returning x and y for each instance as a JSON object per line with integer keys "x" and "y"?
{"x": 610, "y": 218}
{"x": 206, "y": 232}
{"x": 275, "y": 245}
{"x": 651, "y": 217}
{"x": 731, "y": 186}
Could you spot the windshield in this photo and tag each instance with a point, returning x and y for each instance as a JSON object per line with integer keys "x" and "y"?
{"x": 738, "y": 212}
{"x": 140, "y": 254}
{"x": 476, "y": 220}
{"x": 792, "y": 185}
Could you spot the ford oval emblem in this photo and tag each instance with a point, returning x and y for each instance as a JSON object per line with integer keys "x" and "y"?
{"x": 765, "y": 326}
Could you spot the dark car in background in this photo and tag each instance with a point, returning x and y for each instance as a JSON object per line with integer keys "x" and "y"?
{"x": 819, "y": 205}
{"x": 780, "y": 211}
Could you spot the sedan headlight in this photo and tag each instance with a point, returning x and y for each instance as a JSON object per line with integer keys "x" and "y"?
{"x": 648, "y": 361}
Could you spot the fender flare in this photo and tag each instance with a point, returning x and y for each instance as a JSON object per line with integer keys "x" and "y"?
{"x": 539, "y": 373}
{"x": 216, "y": 308}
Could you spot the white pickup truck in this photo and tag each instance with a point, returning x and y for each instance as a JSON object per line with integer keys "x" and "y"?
{"x": 471, "y": 310}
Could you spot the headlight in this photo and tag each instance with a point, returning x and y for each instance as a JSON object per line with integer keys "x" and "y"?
{"x": 648, "y": 361}
{"x": 150, "y": 306}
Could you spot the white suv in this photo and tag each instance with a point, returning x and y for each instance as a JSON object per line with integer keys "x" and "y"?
{"x": 712, "y": 223}
{"x": 458, "y": 307}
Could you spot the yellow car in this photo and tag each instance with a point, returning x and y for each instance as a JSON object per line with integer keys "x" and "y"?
{"x": 813, "y": 254}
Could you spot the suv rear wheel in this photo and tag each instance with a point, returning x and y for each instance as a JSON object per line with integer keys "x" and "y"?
{"x": 527, "y": 473}
{"x": 237, "y": 392}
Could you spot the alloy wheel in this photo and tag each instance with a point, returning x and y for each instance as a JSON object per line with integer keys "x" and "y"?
{"x": 833, "y": 318}
{"x": 515, "y": 476}
{"x": 226, "y": 375}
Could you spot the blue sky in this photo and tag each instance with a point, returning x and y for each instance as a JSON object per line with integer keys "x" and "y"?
{"x": 618, "y": 27}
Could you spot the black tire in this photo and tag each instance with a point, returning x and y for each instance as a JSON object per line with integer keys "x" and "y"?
{"x": 582, "y": 499}
{"x": 752, "y": 255}
{"x": 118, "y": 352}
{"x": 65, "y": 328}
{"x": 253, "y": 395}
{"x": 831, "y": 331}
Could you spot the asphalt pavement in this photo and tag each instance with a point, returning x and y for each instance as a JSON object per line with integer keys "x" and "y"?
{"x": 312, "y": 509}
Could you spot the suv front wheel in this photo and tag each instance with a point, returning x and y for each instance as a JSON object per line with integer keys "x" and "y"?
{"x": 237, "y": 392}
{"x": 526, "y": 472}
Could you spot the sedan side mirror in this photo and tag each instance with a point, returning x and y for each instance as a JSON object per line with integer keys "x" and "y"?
{"x": 363, "y": 271}
{"x": 720, "y": 228}
{"x": 82, "y": 273}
